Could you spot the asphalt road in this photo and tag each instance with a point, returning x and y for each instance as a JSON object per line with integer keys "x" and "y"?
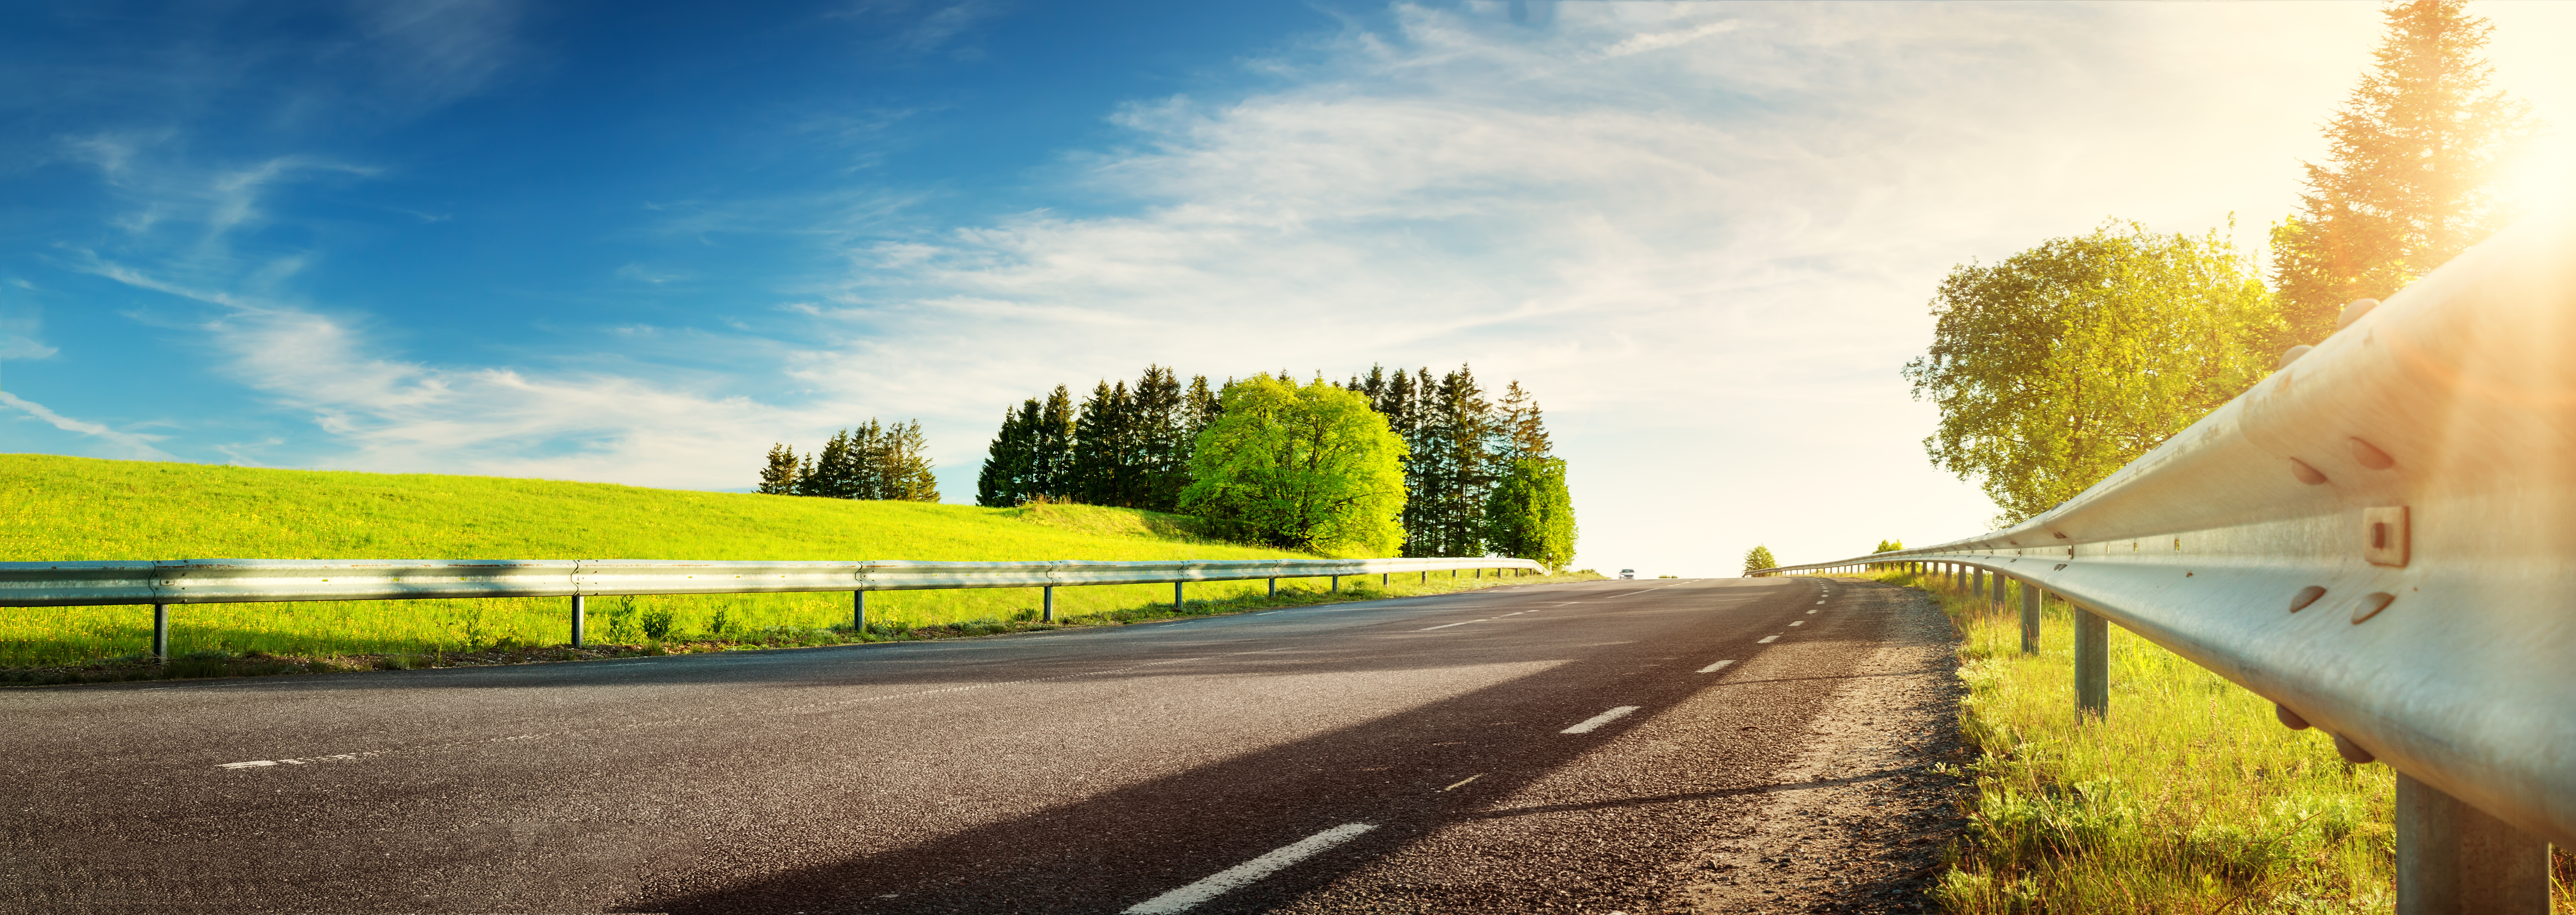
{"x": 1548, "y": 747}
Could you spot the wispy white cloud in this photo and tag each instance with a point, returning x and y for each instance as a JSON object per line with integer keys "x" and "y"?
{"x": 1690, "y": 227}
{"x": 391, "y": 414}
{"x": 131, "y": 445}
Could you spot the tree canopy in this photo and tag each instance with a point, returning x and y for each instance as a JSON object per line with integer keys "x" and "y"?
{"x": 2414, "y": 155}
{"x": 1758, "y": 559}
{"x": 1310, "y": 467}
{"x": 2062, "y": 363}
{"x": 1531, "y": 514}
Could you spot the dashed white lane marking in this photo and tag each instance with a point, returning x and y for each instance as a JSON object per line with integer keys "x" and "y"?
{"x": 1797, "y": 622}
{"x": 1600, "y": 719}
{"x": 1463, "y": 782}
{"x": 1811, "y": 613}
{"x": 1713, "y": 668}
{"x": 1768, "y": 639}
{"x": 1447, "y": 625}
{"x": 1243, "y": 874}
{"x": 309, "y": 760}
{"x": 1820, "y": 602}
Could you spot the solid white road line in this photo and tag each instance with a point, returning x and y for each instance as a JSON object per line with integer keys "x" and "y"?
{"x": 1768, "y": 639}
{"x": 1243, "y": 874}
{"x": 1713, "y": 668}
{"x": 1599, "y": 720}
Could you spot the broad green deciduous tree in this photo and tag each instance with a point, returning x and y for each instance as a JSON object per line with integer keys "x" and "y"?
{"x": 1758, "y": 559}
{"x": 2066, "y": 361}
{"x": 1889, "y": 546}
{"x": 1308, "y": 468}
{"x": 1531, "y": 515}
{"x": 2414, "y": 156}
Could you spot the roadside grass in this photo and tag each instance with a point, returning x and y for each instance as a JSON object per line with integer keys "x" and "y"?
{"x": 2188, "y": 797}
{"x": 65, "y": 508}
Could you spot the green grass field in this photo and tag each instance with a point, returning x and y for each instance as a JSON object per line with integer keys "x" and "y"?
{"x": 64, "y": 508}
{"x": 2189, "y": 797}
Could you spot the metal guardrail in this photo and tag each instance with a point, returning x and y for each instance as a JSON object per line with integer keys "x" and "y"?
{"x": 2380, "y": 538}
{"x": 215, "y": 581}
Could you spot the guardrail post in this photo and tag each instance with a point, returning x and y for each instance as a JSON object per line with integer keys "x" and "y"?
{"x": 2092, "y": 663}
{"x": 1176, "y": 597}
{"x": 1426, "y": 576}
{"x": 1274, "y": 587}
{"x": 858, "y": 612}
{"x": 2454, "y": 859}
{"x": 576, "y": 620}
{"x": 161, "y": 632}
{"x": 1046, "y": 604}
{"x": 1977, "y": 584}
{"x": 2030, "y": 596}
{"x": 1998, "y": 603}
{"x": 1337, "y": 583}
{"x": 1384, "y": 577}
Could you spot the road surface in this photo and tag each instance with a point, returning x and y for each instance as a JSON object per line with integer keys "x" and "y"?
{"x": 1589, "y": 747}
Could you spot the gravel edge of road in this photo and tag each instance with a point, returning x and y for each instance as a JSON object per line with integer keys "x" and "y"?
{"x": 1865, "y": 817}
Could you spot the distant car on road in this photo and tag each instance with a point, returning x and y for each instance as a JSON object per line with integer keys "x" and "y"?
{"x": 1627, "y": 573}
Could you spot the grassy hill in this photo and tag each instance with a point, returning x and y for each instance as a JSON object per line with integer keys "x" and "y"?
{"x": 65, "y": 508}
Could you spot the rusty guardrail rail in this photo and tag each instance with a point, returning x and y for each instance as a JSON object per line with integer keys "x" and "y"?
{"x": 216, "y": 581}
{"x": 2381, "y": 539}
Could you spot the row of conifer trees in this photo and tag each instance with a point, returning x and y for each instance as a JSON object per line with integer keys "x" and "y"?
{"x": 1123, "y": 446}
{"x": 869, "y": 462}
{"x": 1472, "y": 461}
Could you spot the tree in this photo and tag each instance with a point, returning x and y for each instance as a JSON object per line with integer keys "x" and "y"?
{"x": 1162, "y": 439}
{"x": 900, "y": 464}
{"x": 1103, "y": 447}
{"x": 1889, "y": 546}
{"x": 873, "y": 461}
{"x": 1453, "y": 468}
{"x": 1531, "y": 515}
{"x": 2414, "y": 155}
{"x": 1009, "y": 464}
{"x": 2068, "y": 360}
{"x": 833, "y": 472}
{"x": 1310, "y": 468}
{"x": 779, "y": 477}
{"x": 1757, "y": 559}
{"x": 1524, "y": 430}
{"x": 1051, "y": 467}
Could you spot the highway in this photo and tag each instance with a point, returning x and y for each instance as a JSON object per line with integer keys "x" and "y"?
{"x": 1595, "y": 747}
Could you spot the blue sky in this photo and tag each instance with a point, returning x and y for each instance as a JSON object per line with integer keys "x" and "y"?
{"x": 638, "y": 243}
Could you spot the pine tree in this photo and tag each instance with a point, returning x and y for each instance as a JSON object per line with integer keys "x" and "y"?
{"x": 903, "y": 471}
{"x": 1455, "y": 458}
{"x": 1205, "y": 407}
{"x": 1160, "y": 437}
{"x": 2413, "y": 160}
{"x": 832, "y": 472}
{"x": 779, "y": 477}
{"x": 1051, "y": 468}
{"x": 1524, "y": 429}
{"x": 1005, "y": 477}
{"x": 1102, "y": 447}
